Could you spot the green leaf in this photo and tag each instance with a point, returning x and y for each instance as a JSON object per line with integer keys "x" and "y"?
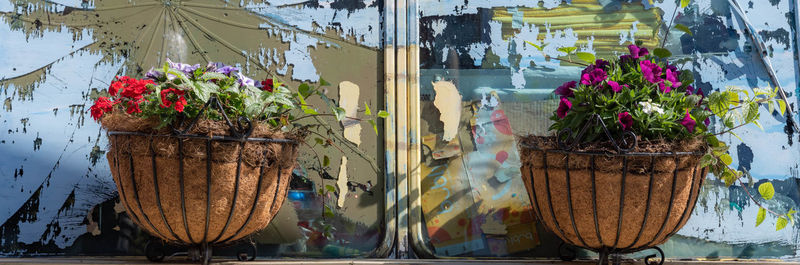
{"x": 213, "y": 75}
{"x": 662, "y": 53}
{"x": 762, "y": 213}
{"x": 322, "y": 82}
{"x": 540, "y": 48}
{"x": 326, "y": 161}
{"x": 685, "y": 3}
{"x": 684, "y": 28}
{"x": 374, "y": 126}
{"x": 328, "y": 212}
{"x": 781, "y": 223}
{"x": 368, "y": 112}
{"x": 586, "y": 57}
{"x": 567, "y": 50}
{"x": 311, "y": 111}
{"x": 304, "y": 90}
{"x": 339, "y": 113}
{"x": 766, "y": 190}
{"x": 330, "y": 188}
{"x": 726, "y": 158}
{"x": 319, "y": 141}
{"x": 383, "y": 114}
{"x": 782, "y": 106}
{"x": 707, "y": 160}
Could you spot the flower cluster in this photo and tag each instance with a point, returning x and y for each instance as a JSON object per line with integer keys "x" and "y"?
{"x": 637, "y": 91}
{"x": 180, "y": 88}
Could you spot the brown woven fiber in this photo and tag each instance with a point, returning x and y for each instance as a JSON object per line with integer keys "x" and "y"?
{"x": 654, "y": 200}
{"x": 154, "y": 170}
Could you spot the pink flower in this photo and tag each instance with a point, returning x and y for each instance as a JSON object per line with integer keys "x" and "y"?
{"x": 651, "y": 71}
{"x": 594, "y": 77}
{"x": 626, "y": 120}
{"x": 672, "y": 77}
{"x": 563, "y": 107}
{"x": 565, "y": 90}
{"x": 615, "y": 86}
{"x": 637, "y": 51}
{"x": 688, "y": 122}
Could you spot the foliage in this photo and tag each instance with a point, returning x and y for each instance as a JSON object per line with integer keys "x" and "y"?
{"x": 648, "y": 94}
{"x": 183, "y": 89}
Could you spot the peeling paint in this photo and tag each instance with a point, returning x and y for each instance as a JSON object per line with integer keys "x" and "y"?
{"x": 348, "y": 100}
{"x": 448, "y": 101}
{"x": 341, "y": 183}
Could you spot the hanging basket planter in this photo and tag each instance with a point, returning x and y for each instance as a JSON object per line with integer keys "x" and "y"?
{"x": 611, "y": 202}
{"x": 210, "y": 183}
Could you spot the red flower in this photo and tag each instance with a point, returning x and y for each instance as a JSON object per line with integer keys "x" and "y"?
{"x": 267, "y": 85}
{"x": 625, "y": 120}
{"x": 135, "y": 89}
{"x": 115, "y": 87}
{"x": 179, "y": 102}
{"x": 133, "y": 106}
{"x": 100, "y": 107}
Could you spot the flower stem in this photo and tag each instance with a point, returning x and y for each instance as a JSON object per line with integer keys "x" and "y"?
{"x": 666, "y": 34}
{"x": 744, "y": 187}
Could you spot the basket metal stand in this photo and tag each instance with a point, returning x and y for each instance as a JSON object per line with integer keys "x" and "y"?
{"x": 198, "y": 249}
{"x": 567, "y": 140}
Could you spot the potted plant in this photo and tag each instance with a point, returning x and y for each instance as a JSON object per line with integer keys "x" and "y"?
{"x": 203, "y": 155}
{"x": 632, "y": 147}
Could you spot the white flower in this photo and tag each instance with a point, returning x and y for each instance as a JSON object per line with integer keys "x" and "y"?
{"x": 650, "y": 107}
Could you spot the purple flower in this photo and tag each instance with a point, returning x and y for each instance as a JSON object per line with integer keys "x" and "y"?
{"x": 186, "y": 68}
{"x": 226, "y": 70}
{"x": 615, "y": 86}
{"x": 625, "y": 59}
{"x": 212, "y": 66}
{"x": 625, "y": 120}
{"x": 594, "y": 77}
{"x": 563, "y": 107}
{"x": 672, "y": 77}
{"x": 707, "y": 122}
{"x": 602, "y": 64}
{"x": 689, "y": 90}
{"x": 651, "y": 71}
{"x": 565, "y": 90}
{"x": 637, "y": 51}
{"x": 243, "y": 80}
{"x": 688, "y": 122}
{"x": 153, "y": 74}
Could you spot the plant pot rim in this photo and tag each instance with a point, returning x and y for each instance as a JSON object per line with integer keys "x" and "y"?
{"x": 208, "y": 137}
{"x": 611, "y": 154}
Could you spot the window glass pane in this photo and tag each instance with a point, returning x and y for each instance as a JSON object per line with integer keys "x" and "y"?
{"x": 487, "y": 72}
{"x": 58, "y": 56}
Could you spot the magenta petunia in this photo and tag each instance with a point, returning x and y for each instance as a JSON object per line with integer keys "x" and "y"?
{"x": 615, "y": 86}
{"x": 637, "y": 51}
{"x": 651, "y": 71}
{"x": 596, "y": 76}
{"x": 689, "y": 90}
{"x": 663, "y": 87}
{"x": 707, "y": 121}
{"x": 602, "y": 64}
{"x": 565, "y": 90}
{"x": 563, "y": 107}
{"x": 626, "y": 120}
{"x": 688, "y": 122}
{"x": 672, "y": 77}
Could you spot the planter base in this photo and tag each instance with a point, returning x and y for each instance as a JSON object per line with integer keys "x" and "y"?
{"x": 607, "y": 255}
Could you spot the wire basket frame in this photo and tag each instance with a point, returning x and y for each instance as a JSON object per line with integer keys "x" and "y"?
{"x": 553, "y": 175}
{"x": 131, "y": 192}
